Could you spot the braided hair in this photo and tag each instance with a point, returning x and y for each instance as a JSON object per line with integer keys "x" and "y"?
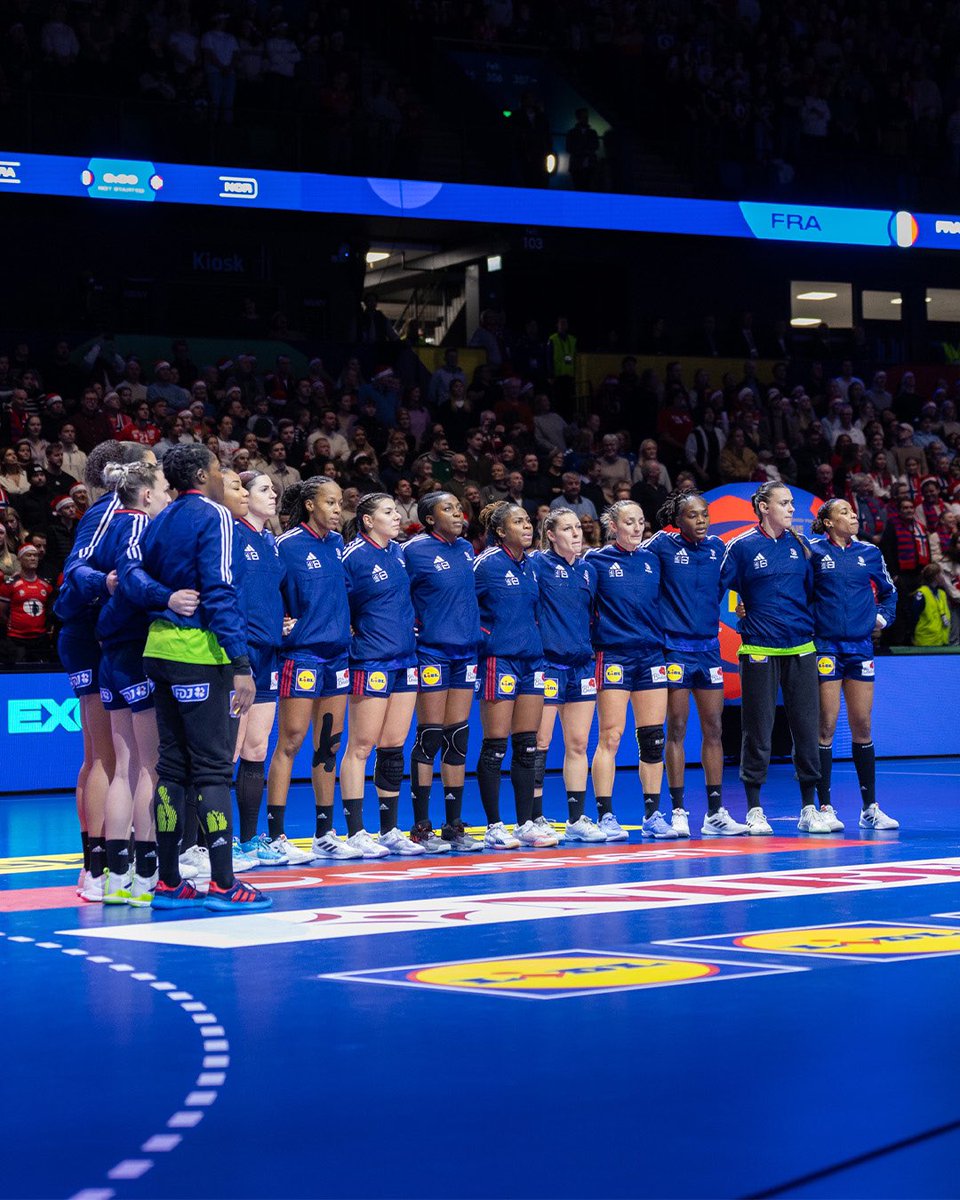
{"x": 293, "y": 503}
{"x": 129, "y": 479}
{"x": 669, "y": 511}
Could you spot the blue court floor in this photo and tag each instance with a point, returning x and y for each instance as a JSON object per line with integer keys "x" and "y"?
{"x": 540, "y": 1024}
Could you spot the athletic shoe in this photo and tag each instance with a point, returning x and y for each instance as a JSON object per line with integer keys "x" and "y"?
{"x": 115, "y": 886}
{"x": 612, "y": 830}
{"x": 873, "y": 818}
{"x": 140, "y": 892}
{"x": 92, "y": 890}
{"x": 457, "y": 838}
{"x": 259, "y": 848}
{"x": 184, "y": 895}
{"x": 396, "y": 843}
{"x": 330, "y": 846}
{"x": 546, "y": 828}
{"x": 583, "y": 830}
{"x": 498, "y": 837}
{"x": 811, "y": 821}
{"x": 530, "y": 834}
{"x": 290, "y": 854}
{"x": 757, "y": 823}
{"x": 832, "y": 821}
{"x": 656, "y": 827}
{"x": 721, "y": 824}
{"x": 241, "y": 897}
{"x": 195, "y": 864}
{"x": 680, "y": 821}
{"x": 367, "y": 847}
{"x": 241, "y": 861}
{"x": 424, "y": 835}
{"x": 81, "y": 879}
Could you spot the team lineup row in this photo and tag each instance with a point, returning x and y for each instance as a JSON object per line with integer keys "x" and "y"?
{"x": 185, "y": 623}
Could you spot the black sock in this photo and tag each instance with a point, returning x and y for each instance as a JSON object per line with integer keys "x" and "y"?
{"x": 249, "y": 787}
{"x": 651, "y": 802}
{"x": 865, "y": 761}
{"x": 189, "y": 821}
{"x": 353, "y": 811}
{"x": 146, "y": 857}
{"x": 808, "y": 794}
{"x": 714, "y": 798}
{"x": 753, "y": 795}
{"x": 522, "y": 774}
{"x": 275, "y": 816}
{"x": 676, "y": 797}
{"x": 575, "y": 803}
{"x": 213, "y": 802}
{"x": 452, "y": 804}
{"x": 98, "y": 856}
{"x": 324, "y": 820}
{"x": 489, "y": 768}
{"x": 118, "y": 856}
{"x": 826, "y": 773}
{"x": 85, "y": 843}
{"x": 389, "y": 808}
{"x": 537, "y": 810}
{"x": 604, "y": 805}
{"x": 169, "y": 805}
{"x": 421, "y": 797}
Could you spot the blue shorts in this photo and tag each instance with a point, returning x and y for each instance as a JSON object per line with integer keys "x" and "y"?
{"x": 438, "y": 672}
{"x": 123, "y": 680}
{"x": 264, "y": 664}
{"x": 378, "y": 679}
{"x": 701, "y": 670}
{"x": 631, "y": 671}
{"x": 570, "y": 685}
{"x": 305, "y": 676}
{"x": 80, "y": 654}
{"x": 508, "y": 678}
{"x": 833, "y": 665}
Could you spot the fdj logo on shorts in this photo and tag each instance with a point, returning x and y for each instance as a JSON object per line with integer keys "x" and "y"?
{"x": 430, "y": 676}
{"x": 188, "y": 693}
{"x": 826, "y": 665}
{"x": 675, "y": 672}
{"x": 306, "y": 680}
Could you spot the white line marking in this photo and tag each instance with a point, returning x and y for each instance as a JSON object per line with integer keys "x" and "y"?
{"x": 130, "y": 1168}
{"x": 161, "y": 1142}
{"x": 200, "y": 1099}
{"x": 185, "y": 1120}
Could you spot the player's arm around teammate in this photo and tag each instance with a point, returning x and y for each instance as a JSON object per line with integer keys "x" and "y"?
{"x": 383, "y": 674}
{"x": 627, "y": 636}
{"x": 854, "y": 598}
{"x": 511, "y": 673}
{"x": 440, "y": 566}
{"x": 690, "y": 561}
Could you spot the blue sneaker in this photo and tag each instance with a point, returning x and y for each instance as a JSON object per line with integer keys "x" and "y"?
{"x": 259, "y": 848}
{"x": 612, "y": 830}
{"x": 239, "y": 898}
{"x": 184, "y": 895}
{"x": 241, "y": 861}
{"x": 656, "y": 827}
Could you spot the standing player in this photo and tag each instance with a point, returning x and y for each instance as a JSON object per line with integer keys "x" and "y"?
{"x": 568, "y": 586}
{"x": 628, "y": 637}
{"x": 511, "y": 679}
{"x": 314, "y": 667}
{"x": 854, "y": 598}
{"x": 770, "y": 567}
{"x": 383, "y": 674}
{"x": 690, "y": 561}
{"x": 440, "y": 566}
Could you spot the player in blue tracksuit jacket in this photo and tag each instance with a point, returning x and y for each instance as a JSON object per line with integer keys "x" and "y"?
{"x": 690, "y": 560}
{"x": 314, "y": 666}
{"x": 568, "y": 586}
{"x": 201, "y": 674}
{"x": 440, "y": 566}
{"x": 627, "y": 636}
{"x": 770, "y": 566}
{"x": 510, "y": 671}
{"x": 383, "y": 673}
{"x": 853, "y": 598}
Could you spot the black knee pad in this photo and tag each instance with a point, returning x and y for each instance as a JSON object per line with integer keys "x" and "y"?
{"x": 525, "y": 749}
{"x": 650, "y": 743}
{"x": 455, "y": 738}
{"x": 539, "y": 767}
{"x": 327, "y": 745}
{"x": 388, "y": 770}
{"x": 492, "y": 753}
{"x": 427, "y": 746}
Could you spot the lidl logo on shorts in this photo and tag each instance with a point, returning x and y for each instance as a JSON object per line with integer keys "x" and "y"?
{"x": 191, "y": 693}
{"x": 81, "y": 679}
{"x": 658, "y": 674}
{"x": 551, "y": 689}
{"x": 377, "y": 681}
{"x": 716, "y": 674}
{"x": 470, "y": 674}
{"x": 106, "y": 696}
{"x": 867, "y": 668}
{"x": 343, "y": 679}
{"x": 539, "y": 682}
{"x": 588, "y": 687}
{"x": 306, "y": 680}
{"x": 413, "y": 676}
{"x": 675, "y": 672}
{"x": 613, "y": 673}
{"x": 870, "y": 941}
{"x": 826, "y": 665}
{"x": 758, "y": 658}
{"x": 430, "y": 676}
{"x": 274, "y": 680}
{"x": 507, "y": 684}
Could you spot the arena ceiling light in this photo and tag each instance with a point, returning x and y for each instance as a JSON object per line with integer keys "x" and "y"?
{"x": 817, "y": 296}
{"x": 376, "y": 256}
{"x": 805, "y": 322}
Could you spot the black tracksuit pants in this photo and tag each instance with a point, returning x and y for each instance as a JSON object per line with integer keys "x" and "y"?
{"x": 796, "y": 676}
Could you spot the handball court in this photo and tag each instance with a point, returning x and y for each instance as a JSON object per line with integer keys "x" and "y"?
{"x": 719, "y": 1017}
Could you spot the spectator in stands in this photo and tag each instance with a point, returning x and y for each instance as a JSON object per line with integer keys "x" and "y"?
{"x": 13, "y": 473}
{"x": 649, "y": 493}
{"x": 563, "y": 362}
{"x": 572, "y": 498}
{"x": 443, "y": 376}
{"x": 34, "y": 504}
{"x": 738, "y": 462}
{"x": 60, "y": 534}
{"x": 456, "y": 413}
{"x": 59, "y": 481}
{"x": 814, "y": 451}
{"x": 496, "y": 488}
{"x": 906, "y": 551}
{"x": 614, "y": 467}
{"x": 52, "y": 417}
{"x": 281, "y": 474}
{"x": 92, "y": 427}
{"x": 488, "y": 337}
{"x": 407, "y": 504}
{"x": 35, "y": 439}
{"x": 460, "y": 480}
{"x": 24, "y": 611}
{"x": 929, "y": 609}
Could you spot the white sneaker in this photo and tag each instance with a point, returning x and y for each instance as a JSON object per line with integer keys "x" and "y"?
{"x": 398, "y": 843}
{"x": 367, "y": 847}
{"x": 81, "y": 880}
{"x": 531, "y": 834}
{"x": 874, "y": 818}
{"x": 546, "y": 826}
{"x": 93, "y": 887}
{"x": 584, "y": 830}
{"x": 757, "y": 823}
{"x": 656, "y": 827}
{"x": 612, "y": 830}
{"x": 721, "y": 824}
{"x": 140, "y": 892}
{"x": 680, "y": 821}
{"x": 115, "y": 887}
{"x": 293, "y": 855}
{"x": 330, "y": 846}
{"x": 498, "y": 837}
{"x": 195, "y": 864}
{"x": 829, "y": 815}
{"x": 811, "y": 821}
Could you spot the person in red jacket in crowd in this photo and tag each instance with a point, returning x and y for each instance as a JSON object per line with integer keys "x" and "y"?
{"x": 24, "y": 609}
